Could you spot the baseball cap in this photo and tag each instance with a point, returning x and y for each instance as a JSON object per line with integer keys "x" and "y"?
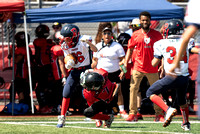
{"x": 56, "y": 24}
{"x": 135, "y": 22}
{"x": 107, "y": 29}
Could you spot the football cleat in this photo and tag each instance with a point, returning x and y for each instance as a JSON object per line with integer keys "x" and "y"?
{"x": 61, "y": 121}
{"x": 171, "y": 112}
{"x": 186, "y": 126}
{"x": 132, "y": 117}
{"x": 123, "y": 114}
{"x": 99, "y": 123}
{"x": 108, "y": 122}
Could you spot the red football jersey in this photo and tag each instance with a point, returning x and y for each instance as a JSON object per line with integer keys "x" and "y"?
{"x": 42, "y": 50}
{"x": 105, "y": 93}
{"x": 21, "y": 68}
{"x": 56, "y": 51}
{"x": 144, "y": 54}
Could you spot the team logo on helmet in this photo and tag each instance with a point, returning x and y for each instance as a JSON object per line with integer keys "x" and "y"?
{"x": 173, "y": 27}
{"x": 71, "y": 35}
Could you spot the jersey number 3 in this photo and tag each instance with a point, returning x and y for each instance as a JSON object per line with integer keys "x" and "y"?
{"x": 172, "y": 51}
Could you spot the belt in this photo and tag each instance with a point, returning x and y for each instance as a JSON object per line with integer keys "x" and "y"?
{"x": 79, "y": 68}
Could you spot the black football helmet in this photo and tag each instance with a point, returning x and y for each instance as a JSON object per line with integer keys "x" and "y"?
{"x": 42, "y": 31}
{"x": 123, "y": 39}
{"x": 20, "y": 39}
{"x": 71, "y": 35}
{"x": 92, "y": 81}
{"x": 173, "y": 27}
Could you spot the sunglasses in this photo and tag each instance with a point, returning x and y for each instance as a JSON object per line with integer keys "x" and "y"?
{"x": 136, "y": 25}
{"x": 55, "y": 27}
{"x": 108, "y": 33}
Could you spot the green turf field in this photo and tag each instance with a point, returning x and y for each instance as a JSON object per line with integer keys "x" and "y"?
{"x": 78, "y": 125}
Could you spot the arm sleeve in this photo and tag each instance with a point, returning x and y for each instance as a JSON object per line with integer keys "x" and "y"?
{"x": 157, "y": 50}
{"x": 191, "y": 44}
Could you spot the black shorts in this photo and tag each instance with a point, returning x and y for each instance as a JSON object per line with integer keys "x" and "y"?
{"x": 114, "y": 77}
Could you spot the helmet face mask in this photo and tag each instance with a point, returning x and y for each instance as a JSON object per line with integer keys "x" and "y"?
{"x": 69, "y": 42}
{"x": 173, "y": 27}
{"x": 71, "y": 35}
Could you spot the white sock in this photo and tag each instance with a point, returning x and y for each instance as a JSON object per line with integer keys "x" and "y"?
{"x": 121, "y": 108}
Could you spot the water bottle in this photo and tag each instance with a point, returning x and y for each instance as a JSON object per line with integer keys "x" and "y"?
{"x": 123, "y": 68}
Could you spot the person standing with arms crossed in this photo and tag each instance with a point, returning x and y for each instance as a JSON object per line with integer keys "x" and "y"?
{"x": 192, "y": 18}
{"x": 143, "y": 39}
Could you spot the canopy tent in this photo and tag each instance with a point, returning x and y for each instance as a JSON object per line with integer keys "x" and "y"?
{"x": 12, "y": 6}
{"x": 7, "y": 7}
{"x": 70, "y": 11}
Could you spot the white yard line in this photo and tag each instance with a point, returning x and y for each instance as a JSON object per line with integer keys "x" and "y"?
{"x": 86, "y": 122}
{"x": 103, "y": 129}
{"x": 45, "y": 123}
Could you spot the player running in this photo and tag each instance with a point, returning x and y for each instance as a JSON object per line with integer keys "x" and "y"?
{"x": 81, "y": 51}
{"x": 167, "y": 49}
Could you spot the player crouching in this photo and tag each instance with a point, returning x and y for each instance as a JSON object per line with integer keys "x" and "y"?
{"x": 99, "y": 93}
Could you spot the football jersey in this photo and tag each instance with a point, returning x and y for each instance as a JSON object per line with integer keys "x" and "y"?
{"x": 105, "y": 93}
{"x": 168, "y": 49}
{"x": 43, "y": 46}
{"x": 21, "y": 68}
{"x": 109, "y": 56}
{"x": 56, "y": 51}
{"x": 80, "y": 51}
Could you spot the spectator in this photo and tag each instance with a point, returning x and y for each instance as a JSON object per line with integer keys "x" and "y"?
{"x": 102, "y": 25}
{"x": 123, "y": 39}
{"x": 143, "y": 39}
{"x": 178, "y": 81}
{"x": 43, "y": 74}
{"x": 109, "y": 54}
{"x": 56, "y": 37}
{"x": 133, "y": 26}
{"x": 81, "y": 52}
{"x": 21, "y": 81}
{"x": 122, "y": 26}
{"x": 100, "y": 102}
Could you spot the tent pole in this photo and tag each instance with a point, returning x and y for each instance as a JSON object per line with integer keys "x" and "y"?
{"x": 28, "y": 59}
{"x": 3, "y": 65}
{"x": 8, "y": 35}
{"x": 13, "y": 74}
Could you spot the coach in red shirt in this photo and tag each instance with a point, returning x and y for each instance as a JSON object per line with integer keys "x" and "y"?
{"x": 142, "y": 40}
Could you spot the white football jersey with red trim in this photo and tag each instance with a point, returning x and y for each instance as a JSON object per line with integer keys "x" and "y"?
{"x": 81, "y": 52}
{"x": 168, "y": 49}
